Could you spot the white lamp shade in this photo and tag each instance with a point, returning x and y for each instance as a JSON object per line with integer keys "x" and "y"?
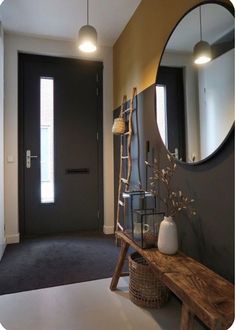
{"x": 87, "y": 41}
{"x": 202, "y": 52}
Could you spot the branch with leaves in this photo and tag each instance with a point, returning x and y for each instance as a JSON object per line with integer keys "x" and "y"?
{"x": 175, "y": 201}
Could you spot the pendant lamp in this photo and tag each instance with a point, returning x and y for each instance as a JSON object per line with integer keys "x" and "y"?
{"x": 202, "y": 50}
{"x": 87, "y": 40}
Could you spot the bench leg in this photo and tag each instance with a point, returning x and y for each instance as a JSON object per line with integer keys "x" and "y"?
{"x": 187, "y": 318}
{"x": 119, "y": 265}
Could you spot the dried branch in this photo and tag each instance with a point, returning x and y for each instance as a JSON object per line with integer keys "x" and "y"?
{"x": 174, "y": 201}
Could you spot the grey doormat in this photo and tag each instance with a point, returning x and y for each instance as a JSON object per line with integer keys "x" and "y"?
{"x": 57, "y": 260}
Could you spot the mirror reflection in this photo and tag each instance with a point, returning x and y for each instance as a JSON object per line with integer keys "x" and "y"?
{"x": 195, "y": 84}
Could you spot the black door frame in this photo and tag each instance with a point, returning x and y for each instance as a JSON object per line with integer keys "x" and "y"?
{"x": 21, "y": 154}
{"x": 180, "y": 120}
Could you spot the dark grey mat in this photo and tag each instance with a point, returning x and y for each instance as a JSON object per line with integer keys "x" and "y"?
{"x": 51, "y": 261}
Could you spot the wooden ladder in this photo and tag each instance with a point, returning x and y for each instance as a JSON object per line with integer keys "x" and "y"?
{"x": 125, "y": 157}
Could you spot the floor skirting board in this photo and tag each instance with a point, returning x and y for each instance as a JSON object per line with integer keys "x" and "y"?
{"x": 108, "y": 230}
{"x": 12, "y": 239}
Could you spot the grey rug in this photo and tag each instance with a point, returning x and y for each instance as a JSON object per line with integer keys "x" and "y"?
{"x": 57, "y": 260}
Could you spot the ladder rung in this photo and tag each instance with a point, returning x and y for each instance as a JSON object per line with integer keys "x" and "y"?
{"x": 126, "y": 110}
{"x": 119, "y": 225}
{"x": 125, "y": 157}
{"x": 124, "y": 180}
{"x": 126, "y": 133}
{"x": 121, "y": 203}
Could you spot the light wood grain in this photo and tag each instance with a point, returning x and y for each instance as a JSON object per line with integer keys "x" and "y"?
{"x": 119, "y": 265}
{"x": 124, "y": 101}
{"x": 125, "y": 159}
{"x": 187, "y": 319}
{"x": 203, "y": 292}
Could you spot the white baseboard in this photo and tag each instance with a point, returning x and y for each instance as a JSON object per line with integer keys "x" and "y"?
{"x": 2, "y": 248}
{"x": 108, "y": 230}
{"x": 12, "y": 239}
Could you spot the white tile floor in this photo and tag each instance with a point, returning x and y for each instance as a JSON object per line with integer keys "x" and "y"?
{"x": 83, "y": 306}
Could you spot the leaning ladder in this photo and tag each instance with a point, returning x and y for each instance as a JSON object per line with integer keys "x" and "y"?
{"x": 125, "y": 158}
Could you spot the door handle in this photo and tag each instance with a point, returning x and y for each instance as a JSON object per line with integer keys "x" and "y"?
{"x": 28, "y": 158}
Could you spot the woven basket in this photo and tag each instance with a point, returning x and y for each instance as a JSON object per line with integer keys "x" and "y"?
{"x": 118, "y": 126}
{"x": 145, "y": 287}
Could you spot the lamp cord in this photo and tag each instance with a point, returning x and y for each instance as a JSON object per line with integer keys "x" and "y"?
{"x": 87, "y": 12}
{"x": 200, "y": 12}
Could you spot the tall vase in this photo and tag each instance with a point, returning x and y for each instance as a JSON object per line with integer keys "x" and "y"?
{"x": 168, "y": 238}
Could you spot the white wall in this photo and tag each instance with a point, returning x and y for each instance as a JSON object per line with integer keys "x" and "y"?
{"x": 13, "y": 44}
{"x": 191, "y": 100}
{"x": 2, "y": 234}
{"x": 216, "y": 95}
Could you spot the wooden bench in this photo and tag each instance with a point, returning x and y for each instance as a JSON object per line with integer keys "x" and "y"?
{"x": 203, "y": 293}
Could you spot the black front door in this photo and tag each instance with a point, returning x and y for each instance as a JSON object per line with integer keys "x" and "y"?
{"x": 60, "y": 116}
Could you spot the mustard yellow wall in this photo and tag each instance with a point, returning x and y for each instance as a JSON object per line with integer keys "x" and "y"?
{"x": 137, "y": 51}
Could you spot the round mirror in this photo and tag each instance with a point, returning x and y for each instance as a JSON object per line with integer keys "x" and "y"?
{"x": 195, "y": 84}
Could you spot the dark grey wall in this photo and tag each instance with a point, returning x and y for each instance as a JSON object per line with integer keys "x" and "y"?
{"x": 209, "y": 236}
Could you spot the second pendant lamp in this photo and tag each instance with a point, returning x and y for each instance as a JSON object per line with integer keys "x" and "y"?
{"x": 202, "y": 50}
{"x": 87, "y": 40}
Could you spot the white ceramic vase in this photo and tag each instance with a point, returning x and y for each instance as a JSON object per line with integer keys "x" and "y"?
{"x": 167, "y": 237}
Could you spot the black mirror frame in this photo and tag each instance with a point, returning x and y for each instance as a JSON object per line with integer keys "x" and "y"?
{"x": 230, "y": 8}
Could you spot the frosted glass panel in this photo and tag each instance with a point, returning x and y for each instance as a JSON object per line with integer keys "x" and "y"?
{"x": 161, "y": 112}
{"x": 47, "y": 140}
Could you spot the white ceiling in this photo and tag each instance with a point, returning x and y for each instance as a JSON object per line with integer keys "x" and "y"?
{"x": 63, "y": 18}
{"x": 216, "y": 22}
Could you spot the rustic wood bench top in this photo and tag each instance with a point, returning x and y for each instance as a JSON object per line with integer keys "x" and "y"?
{"x": 203, "y": 293}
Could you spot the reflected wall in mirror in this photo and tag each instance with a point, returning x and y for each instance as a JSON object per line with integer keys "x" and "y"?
{"x": 195, "y": 102}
